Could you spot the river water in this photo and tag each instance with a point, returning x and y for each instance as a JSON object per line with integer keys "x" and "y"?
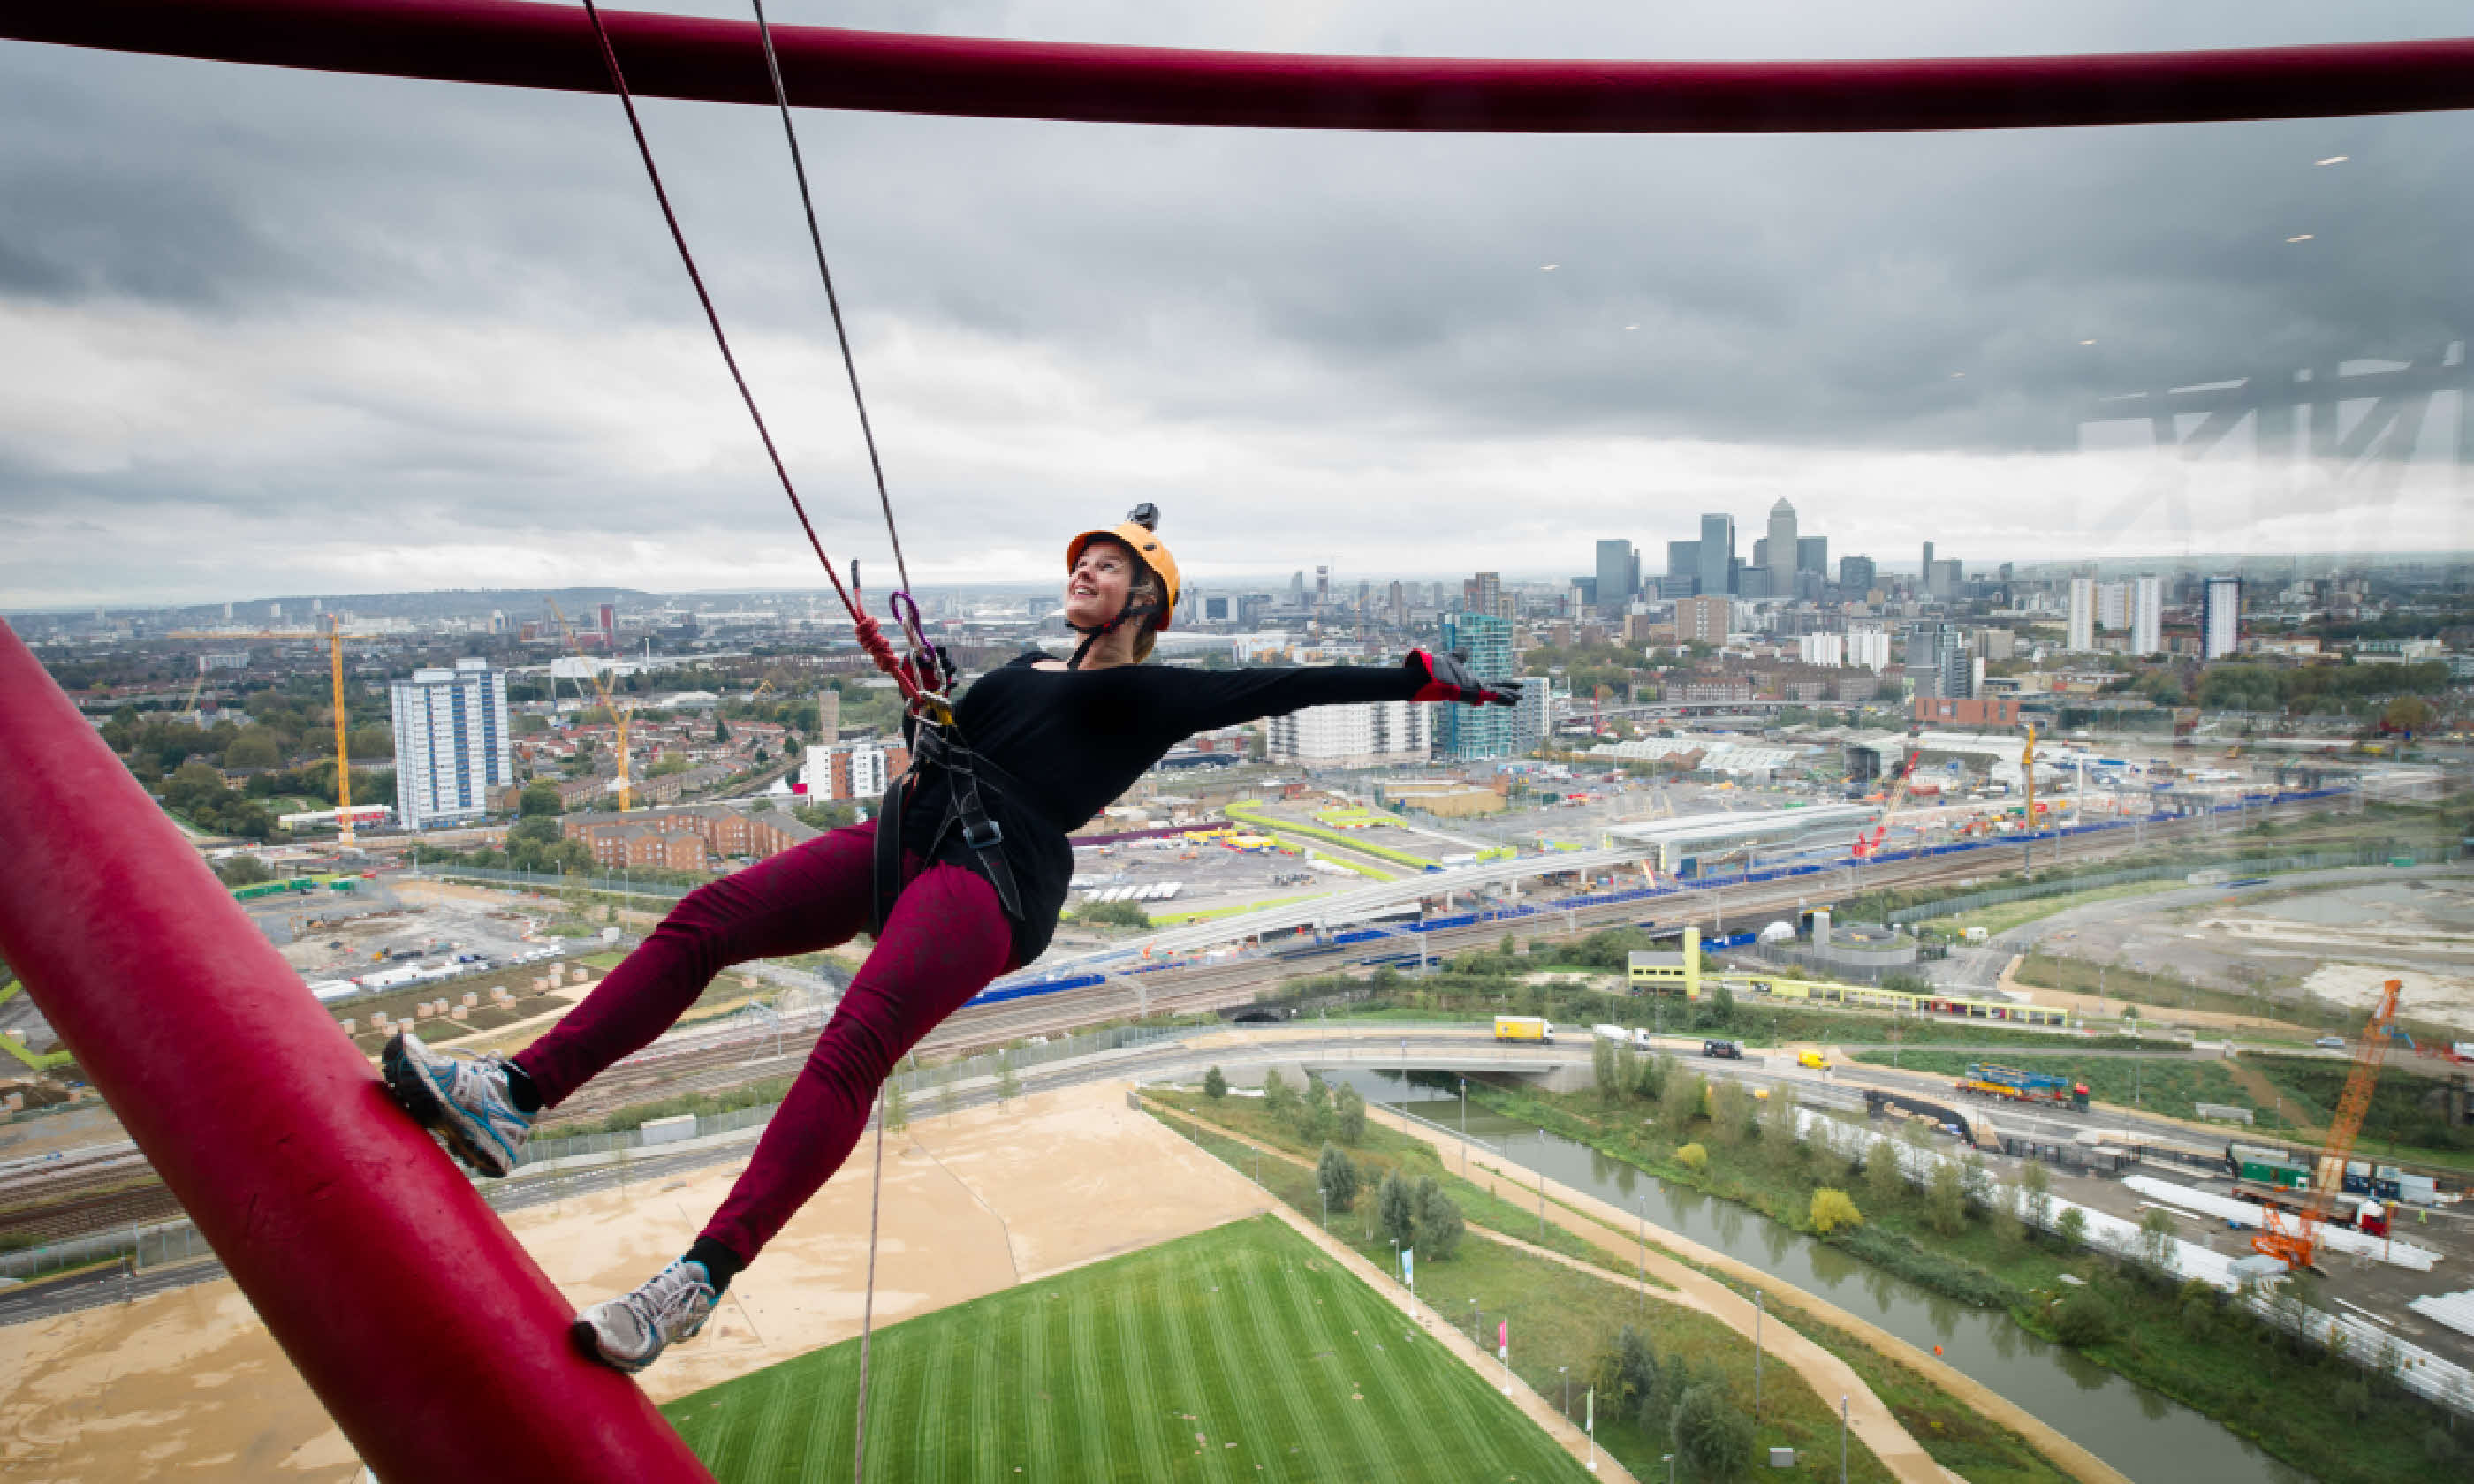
{"x": 2146, "y": 1435}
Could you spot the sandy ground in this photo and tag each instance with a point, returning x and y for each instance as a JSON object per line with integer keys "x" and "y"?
{"x": 188, "y": 1384}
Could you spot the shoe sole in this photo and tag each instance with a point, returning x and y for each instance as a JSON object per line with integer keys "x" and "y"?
{"x": 419, "y": 1096}
{"x": 588, "y": 1344}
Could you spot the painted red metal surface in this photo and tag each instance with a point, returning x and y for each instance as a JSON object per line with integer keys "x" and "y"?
{"x": 521, "y": 44}
{"x": 431, "y": 1338}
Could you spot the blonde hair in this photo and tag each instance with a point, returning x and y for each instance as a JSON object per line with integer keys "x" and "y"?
{"x": 1147, "y": 585}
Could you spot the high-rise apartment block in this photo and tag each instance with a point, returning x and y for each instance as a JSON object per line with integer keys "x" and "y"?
{"x": 2083, "y": 624}
{"x": 1869, "y": 646}
{"x": 1479, "y": 731}
{"x": 1827, "y": 650}
{"x": 1484, "y": 594}
{"x": 2220, "y": 617}
{"x": 2146, "y": 614}
{"x": 1704, "y": 619}
{"x": 452, "y": 743}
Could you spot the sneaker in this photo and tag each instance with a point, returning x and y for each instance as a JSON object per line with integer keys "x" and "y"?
{"x": 630, "y": 1334}
{"x": 463, "y": 1099}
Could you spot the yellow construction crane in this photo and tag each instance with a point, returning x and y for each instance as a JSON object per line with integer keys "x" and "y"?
{"x": 2028, "y": 770}
{"x": 334, "y": 636}
{"x": 626, "y": 785}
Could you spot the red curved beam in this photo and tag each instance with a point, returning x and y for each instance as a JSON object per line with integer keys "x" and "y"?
{"x": 430, "y": 1335}
{"x": 513, "y": 43}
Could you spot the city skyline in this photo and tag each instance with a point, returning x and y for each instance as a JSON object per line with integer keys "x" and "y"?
{"x": 255, "y": 357}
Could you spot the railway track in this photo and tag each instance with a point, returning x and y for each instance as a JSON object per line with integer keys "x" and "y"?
{"x": 77, "y": 1208}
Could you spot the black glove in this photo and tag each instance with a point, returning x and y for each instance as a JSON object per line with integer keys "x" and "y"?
{"x": 1447, "y": 678}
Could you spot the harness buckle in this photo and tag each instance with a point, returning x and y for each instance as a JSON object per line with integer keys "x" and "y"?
{"x": 983, "y": 833}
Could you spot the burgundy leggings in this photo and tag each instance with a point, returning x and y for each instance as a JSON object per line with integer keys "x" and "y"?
{"x": 948, "y": 937}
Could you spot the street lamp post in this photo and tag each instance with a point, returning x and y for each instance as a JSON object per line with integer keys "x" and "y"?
{"x": 1640, "y": 1210}
{"x": 1842, "y": 1439}
{"x": 1473, "y": 1313}
{"x": 1668, "y": 1459}
{"x": 1566, "y": 1372}
{"x": 1464, "y": 1125}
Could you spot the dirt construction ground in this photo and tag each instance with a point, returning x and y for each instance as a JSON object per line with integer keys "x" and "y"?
{"x": 188, "y": 1384}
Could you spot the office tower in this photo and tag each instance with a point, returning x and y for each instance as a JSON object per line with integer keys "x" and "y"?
{"x": 1781, "y": 550}
{"x": 1940, "y": 656}
{"x": 1812, "y": 555}
{"x": 1754, "y": 582}
{"x": 2082, "y": 627}
{"x": 610, "y": 627}
{"x": 1618, "y": 575}
{"x": 1924, "y": 573}
{"x": 2220, "y": 617}
{"x": 1858, "y": 576}
{"x": 1479, "y": 731}
{"x": 1683, "y": 570}
{"x": 452, "y": 743}
{"x": 2146, "y": 616}
{"x": 1322, "y": 587}
{"x": 1714, "y": 559}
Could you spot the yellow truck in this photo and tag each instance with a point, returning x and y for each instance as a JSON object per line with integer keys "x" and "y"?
{"x": 1812, "y": 1059}
{"x": 1523, "y": 1028}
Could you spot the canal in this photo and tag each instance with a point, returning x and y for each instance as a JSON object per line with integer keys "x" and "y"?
{"x": 2146, "y": 1435}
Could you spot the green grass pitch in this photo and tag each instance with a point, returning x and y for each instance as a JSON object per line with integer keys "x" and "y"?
{"x": 1238, "y": 1354}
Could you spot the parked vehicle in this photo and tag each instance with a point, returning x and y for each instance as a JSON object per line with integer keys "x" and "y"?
{"x": 1985, "y": 1079}
{"x": 1523, "y": 1028}
{"x": 1731, "y": 1050}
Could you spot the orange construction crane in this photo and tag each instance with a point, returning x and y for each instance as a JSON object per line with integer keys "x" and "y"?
{"x": 626, "y": 784}
{"x": 2292, "y": 1237}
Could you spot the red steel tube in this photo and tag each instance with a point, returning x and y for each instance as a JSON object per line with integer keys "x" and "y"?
{"x": 515, "y": 43}
{"x": 430, "y": 1336}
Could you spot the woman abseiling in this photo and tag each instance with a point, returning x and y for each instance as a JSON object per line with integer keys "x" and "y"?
{"x": 975, "y": 883}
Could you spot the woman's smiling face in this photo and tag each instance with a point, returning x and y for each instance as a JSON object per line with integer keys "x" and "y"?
{"x": 1095, "y": 590}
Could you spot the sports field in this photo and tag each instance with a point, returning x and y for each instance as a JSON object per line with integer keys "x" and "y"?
{"x": 1240, "y": 1353}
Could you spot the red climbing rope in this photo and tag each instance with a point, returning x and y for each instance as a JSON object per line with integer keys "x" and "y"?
{"x": 871, "y": 639}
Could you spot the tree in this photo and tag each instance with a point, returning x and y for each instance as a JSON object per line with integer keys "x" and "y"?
{"x": 720, "y": 729}
{"x": 1711, "y": 1436}
{"x": 242, "y": 870}
{"x": 1276, "y": 1090}
{"x": 1946, "y": 1199}
{"x": 1337, "y": 1175}
{"x": 2157, "y": 1246}
{"x": 1632, "y": 1374}
{"x": 1349, "y": 1116}
{"x": 1214, "y": 1085}
{"x": 1439, "y": 1224}
{"x": 538, "y": 799}
{"x": 2036, "y": 1196}
{"x": 1832, "y": 1209}
{"x": 1008, "y": 1085}
{"x": 2071, "y": 1225}
{"x": 1655, "y": 1071}
{"x": 2083, "y": 1317}
{"x": 254, "y": 747}
{"x": 1602, "y": 1068}
{"x": 1731, "y": 1111}
{"x": 897, "y": 1109}
{"x": 1883, "y": 1184}
{"x": 1395, "y": 1211}
{"x": 1693, "y": 1158}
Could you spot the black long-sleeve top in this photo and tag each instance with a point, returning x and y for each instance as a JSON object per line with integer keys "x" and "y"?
{"x": 1069, "y": 742}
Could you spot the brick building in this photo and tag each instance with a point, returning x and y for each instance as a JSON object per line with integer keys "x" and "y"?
{"x": 1981, "y": 711}
{"x": 614, "y": 839}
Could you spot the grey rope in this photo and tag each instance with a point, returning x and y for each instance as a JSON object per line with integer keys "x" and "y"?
{"x": 816, "y": 236}
{"x": 867, "y": 1305}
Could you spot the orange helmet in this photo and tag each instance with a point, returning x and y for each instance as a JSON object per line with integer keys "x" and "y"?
{"x": 1135, "y": 533}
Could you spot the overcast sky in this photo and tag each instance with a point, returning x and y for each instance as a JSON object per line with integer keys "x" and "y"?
{"x": 273, "y": 332}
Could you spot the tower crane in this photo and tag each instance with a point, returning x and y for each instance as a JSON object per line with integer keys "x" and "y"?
{"x": 334, "y": 635}
{"x": 626, "y": 785}
{"x": 2292, "y": 1237}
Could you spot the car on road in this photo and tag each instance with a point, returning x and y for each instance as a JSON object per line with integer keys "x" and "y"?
{"x": 1732, "y": 1051}
{"x": 2330, "y": 1043}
